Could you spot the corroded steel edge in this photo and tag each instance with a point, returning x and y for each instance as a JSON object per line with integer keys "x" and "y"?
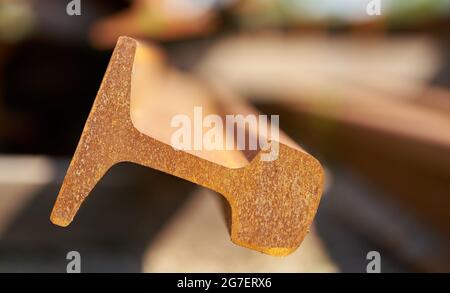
{"x": 273, "y": 203}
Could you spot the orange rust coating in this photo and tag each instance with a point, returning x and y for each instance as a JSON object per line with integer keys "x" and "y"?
{"x": 272, "y": 203}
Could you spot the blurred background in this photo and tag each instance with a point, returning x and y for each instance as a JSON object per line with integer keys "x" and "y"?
{"x": 368, "y": 95}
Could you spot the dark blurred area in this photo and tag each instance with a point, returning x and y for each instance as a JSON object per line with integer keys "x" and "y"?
{"x": 49, "y": 75}
{"x": 367, "y": 95}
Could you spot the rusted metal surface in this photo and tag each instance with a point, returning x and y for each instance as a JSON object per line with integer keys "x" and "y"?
{"x": 272, "y": 203}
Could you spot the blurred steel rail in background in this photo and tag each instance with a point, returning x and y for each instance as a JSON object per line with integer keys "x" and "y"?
{"x": 365, "y": 101}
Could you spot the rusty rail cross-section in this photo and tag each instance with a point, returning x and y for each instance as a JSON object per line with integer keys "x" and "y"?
{"x": 272, "y": 203}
